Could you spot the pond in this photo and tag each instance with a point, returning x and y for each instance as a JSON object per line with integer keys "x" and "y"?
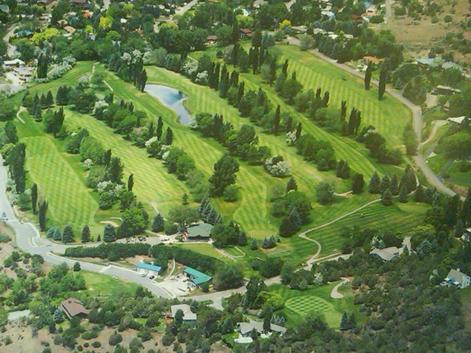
{"x": 171, "y": 98}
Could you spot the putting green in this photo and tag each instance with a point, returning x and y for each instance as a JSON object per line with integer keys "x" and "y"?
{"x": 304, "y": 305}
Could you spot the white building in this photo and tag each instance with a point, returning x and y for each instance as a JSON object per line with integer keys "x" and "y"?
{"x": 458, "y": 279}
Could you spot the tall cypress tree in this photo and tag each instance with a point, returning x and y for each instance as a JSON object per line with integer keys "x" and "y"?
{"x": 85, "y": 234}
{"x": 368, "y": 74}
{"x": 276, "y": 120}
{"x": 34, "y": 197}
{"x": 42, "y": 217}
{"x": 382, "y": 83}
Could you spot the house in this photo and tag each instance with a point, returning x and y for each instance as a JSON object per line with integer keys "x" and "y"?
{"x": 445, "y": 90}
{"x": 188, "y": 315}
{"x": 24, "y": 73}
{"x": 79, "y": 3}
{"x": 299, "y": 29}
{"x": 87, "y": 14}
{"x": 457, "y": 120}
{"x": 319, "y": 31}
{"x": 211, "y": 40}
{"x": 13, "y": 63}
{"x": 45, "y": 2}
{"x": 429, "y": 62}
{"x": 372, "y": 59}
{"x": 201, "y": 231}
{"x": 69, "y": 29}
{"x": 245, "y": 330}
{"x": 466, "y": 235}
{"x": 246, "y": 32}
{"x": 457, "y": 279}
{"x": 73, "y": 308}
{"x": 197, "y": 277}
{"x": 387, "y": 254}
{"x": 148, "y": 269}
{"x": 329, "y": 14}
{"x": 5, "y": 9}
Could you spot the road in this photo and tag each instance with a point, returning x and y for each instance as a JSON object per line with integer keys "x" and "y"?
{"x": 28, "y": 240}
{"x": 419, "y": 159}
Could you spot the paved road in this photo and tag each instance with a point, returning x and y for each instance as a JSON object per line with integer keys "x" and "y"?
{"x": 419, "y": 159}
{"x": 28, "y": 240}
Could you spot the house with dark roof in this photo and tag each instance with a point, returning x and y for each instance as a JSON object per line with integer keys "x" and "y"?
{"x": 245, "y": 330}
{"x": 72, "y": 307}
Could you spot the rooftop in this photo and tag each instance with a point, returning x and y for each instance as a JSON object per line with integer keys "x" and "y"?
{"x": 197, "y": 276}
{"x": 387, "y": 254}
{"x": 247, "y": 327}
{"x": 200, "y": 230}
{"x": 73, "y": 307}
{"x": 146, "y": 266}
{"x": 188, "y": 315}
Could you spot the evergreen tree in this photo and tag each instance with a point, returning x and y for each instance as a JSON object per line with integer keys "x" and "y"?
{"x": 168, "y": 137}
{"x": 383, "y": 76}
{"x": 403, "y": 194}
{"x": 109, "y": 233}
{"x": 385, "y": 184}
{"x": 375, "y": 184}
{"x": 386, "y": 198}
{"x": 344, "y": 322}
{"x": 394, "y": 185}
{"x": 114, "y": 171}
{"x": 57, "y": 234}
{"x": 107, "y": 157}
{"x": 34, "y": 197}
{"x": 299, "y": 130}
{"x": 419, "y": 195}
{"x": 358, "y": 183}
{"x": 130, "y": 182}
{"x": 68, "y": 234}
{"x": 10, "y": 132}
{"x": 368, "y": 74}
{"x": 291, "y": 185}
{"x": 158, "y": 223}
{"x": 85, "y": 234}
{"x": 466, "y": 209}
{"x": 276, "y": 120}
{"x": 160, "y": 127}
{"x": 77, "y": 267}
{"x": 42, "y": 215}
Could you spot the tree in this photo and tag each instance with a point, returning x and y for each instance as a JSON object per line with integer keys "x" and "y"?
{"x": 357, "y": 183}
{"x": 403, "y": 194}
{"x": 68, "y": 234}
{"x": 34, "y": 197}
{"x": 324, "y": 193}
{"x": 375, "y": 184}
{"x": 267, "y": 319}
{"x": 168, "y": 137}
{"x": 178, "y": 319}
{"x": 158, "y": 223}
{"x": 85, "y": 234}
{"x": 77, "y": 267}
{"x": 7, "y": 108}
{"x": 42, "y": 215}
{"x": 383, "y": 76}
{"x": 224, "y": 175}
{"x": 114, "y": 172}
{"x": 130, "y": 182}
{"x": 368, "y": 74}
{"x": 291, "y": 185}
{"x": 386, "y": 198}
{"x": 10, "y": 132}
{"x": 109, "y": 233}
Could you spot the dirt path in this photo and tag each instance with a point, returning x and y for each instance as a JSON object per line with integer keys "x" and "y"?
{"x": 21, "y": 110}
{"x": 335, "y": 294}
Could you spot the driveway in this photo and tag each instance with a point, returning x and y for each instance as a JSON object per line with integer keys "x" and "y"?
{"x": 419, "y": 159}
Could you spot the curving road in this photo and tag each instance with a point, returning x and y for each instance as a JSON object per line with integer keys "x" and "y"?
{"x": 419, "y": 159}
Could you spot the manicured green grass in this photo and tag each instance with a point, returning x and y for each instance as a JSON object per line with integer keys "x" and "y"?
{"x": 204, "y": 249}
{"x": 398, "y": 218}
{"x": 314, "y": 300}
{"x": 105, "y": 286}
{"x": 388, "y": 116}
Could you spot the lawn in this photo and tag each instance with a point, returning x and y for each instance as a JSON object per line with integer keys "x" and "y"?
{"x": 399, "y": 218}
{"x": 388, "y": 116}
{"x": 314, "y": 300}
{"x": 105, "y": 286}
{"x": 204, "y": 249}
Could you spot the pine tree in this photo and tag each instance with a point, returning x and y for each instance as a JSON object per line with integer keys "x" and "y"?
{"x": 419, "y": 195}
{"x": 160, "y": 127}
{"x": 158, "y": 223}
{"x": 291, "y": 185}
{"x": 386, "y": 198}
{"x": 109, "y": 233}
{"x": 382, "y": 83}
{"x": 49, "y": 99}
{"x": 466, "y": 209}
{"x": 168, "y": 137}
{"x": 403, "y": 194}
{"x": 77, "y": 267}
{"x": 299, "y": 130}
{"x": 130, "y": 182}
{"x": 276, "y": 120}
{"x": 34, "y": 197}
{"x": 107, "y": 157}
{"x": 68, "y": 234}
{"x": 85, "y": 234}
{"x": 394, "y": 185}
{"x": 57, "y": 235}
{"x": 344, "y": 322}
{"x": 42, "y": 215}
{"x": 358, "y": 183}
{"x": 385, "y": 184}
{"x": 375, "y": 184}
{"x": 368, "y": 74}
